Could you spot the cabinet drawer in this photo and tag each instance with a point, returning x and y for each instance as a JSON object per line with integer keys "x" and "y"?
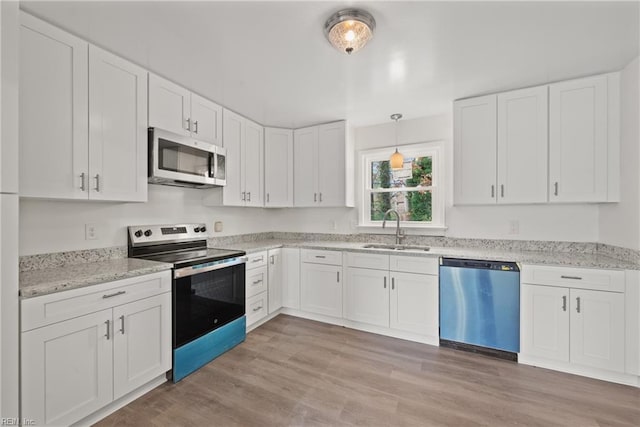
{"x": 258, "y": 259}
{"x": 52, "y": 308}
{"x": 256, "y": 308}
{"x": 583, "y": 278}
{"x": 366, "y": 260}
{"x": 414, "y": 264}
{"x": 256, "y": 281}
{"x": 322, "y": 257}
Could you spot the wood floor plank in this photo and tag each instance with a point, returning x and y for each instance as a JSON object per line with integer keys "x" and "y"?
{"x": 296, "y": 372}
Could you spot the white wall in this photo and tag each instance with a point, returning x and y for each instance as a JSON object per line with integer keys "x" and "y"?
{"x": 620, "y": 222}
{"x": 535, "y": 222}
{"x": 54, "y": 226}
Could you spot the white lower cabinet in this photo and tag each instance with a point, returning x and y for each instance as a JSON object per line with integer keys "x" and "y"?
{"x": 367, "y": 296}
{"x": 414, "y": 303}
{"x": 257, "y": 287}
{"x": 579, "y": 326}
{"x": 291, "y": 278}
{"x": 276, "y": 276}
{"x": 74, "y": 367}
{"x": 393, "y": 292}
{"x": 321, "y": 289}
{"x": 141, "y": 337}
{"x": 67, "y": 369}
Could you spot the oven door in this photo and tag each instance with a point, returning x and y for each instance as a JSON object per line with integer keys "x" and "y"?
{"x": 182, "y": 159}
{"x": 206, "y": 300}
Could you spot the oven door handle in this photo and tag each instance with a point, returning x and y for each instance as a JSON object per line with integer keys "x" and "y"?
{"x": 203, "y": 268}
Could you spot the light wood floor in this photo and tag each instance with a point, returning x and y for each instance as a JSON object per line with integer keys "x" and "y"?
{"x": 294, "y": 372}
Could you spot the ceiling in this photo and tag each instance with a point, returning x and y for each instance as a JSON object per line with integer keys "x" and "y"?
{"x": 269, "y": 61}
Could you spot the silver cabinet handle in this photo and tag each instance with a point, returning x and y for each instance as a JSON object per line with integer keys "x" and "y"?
{"x": 564, "y": 303}
{"x": 320, "y": 256}
{"x": 315, "y": 197}
{"x": 83, "y": 186}
{"x": 272, "y": 259}
{"x": 195, "y": 127}
{"x": 501, "y": 190}
{"x": 244, "y": 198}
{"x": 555, "y": 188}
{"x": 258, "y": 259}
{"x": 257, "y": 308}
{"x": 249, "y": 196}
{"x": 571, "y": 277}
{"x": 393, "y": 283}
{"x": 188, "y": 125}
{"x": 255, "y": 282}
{"x": 338, "y": 276}
{"x": 108, "y": 334}
{"x": 122, "y": 324}
{"x": 113, "y": 295}
{"x": 578, "y": 305}
{"x": 493, "y": 191}
{"x": 98, "y": 182}
{"x": 320, "y": 197}
{"x": 385, "y": 282}
{"x": 267, "y": 197}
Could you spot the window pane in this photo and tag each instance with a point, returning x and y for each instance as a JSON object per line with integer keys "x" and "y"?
{"x": 411, "y": 205}
{"x": 417, "y": 171}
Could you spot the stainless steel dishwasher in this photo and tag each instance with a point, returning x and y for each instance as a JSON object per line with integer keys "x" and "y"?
{"x": 480, "y": 306}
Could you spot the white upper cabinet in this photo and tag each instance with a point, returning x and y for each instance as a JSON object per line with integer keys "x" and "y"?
{"x": 117, "y": 128}
{"x": 278, "y": 167}
{"x": 584, "y": 139}
{"x": 305, "y": 175}
{"x": 475, "y": 150}
{"x": 54, "y": 109}
{"x": 244, "y": 142}
{"x": 522, "y": 146}
{"x": 552, "y": 143}
{"x": 321, "y": 175}
{"x": 90, "y": 141}
{"x": 176, "y": 109}
{"x": 169, "y": 106}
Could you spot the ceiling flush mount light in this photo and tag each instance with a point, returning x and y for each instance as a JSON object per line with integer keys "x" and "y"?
{"x": 349, "y": 30}
{"x": 397, "y": 159}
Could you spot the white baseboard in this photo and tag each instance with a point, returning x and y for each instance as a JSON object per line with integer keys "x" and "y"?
{"x": 262, "y": 321}
{"x": 122, "y": 402}
{"x": 408, "y": 336}
{"x": 584, "y": 371}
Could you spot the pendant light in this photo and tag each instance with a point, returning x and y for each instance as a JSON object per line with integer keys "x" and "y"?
{"x": 397, "y": 159}
{"x": 349, "y": 30}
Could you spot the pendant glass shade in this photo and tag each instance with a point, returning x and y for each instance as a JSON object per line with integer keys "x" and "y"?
{"x": 349, "y": 30}
{"x": 397, "y": 160}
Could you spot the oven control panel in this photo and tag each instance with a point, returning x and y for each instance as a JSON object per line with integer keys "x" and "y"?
{"x": 140, "y": 235}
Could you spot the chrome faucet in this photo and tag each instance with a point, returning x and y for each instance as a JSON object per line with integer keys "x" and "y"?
{"x": 399, "y": 232}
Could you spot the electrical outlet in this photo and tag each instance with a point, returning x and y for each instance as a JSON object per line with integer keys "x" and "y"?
{"x": 217, "y": 226}
{"x": 90, "y": 232}
{"x": 514, "y": 226}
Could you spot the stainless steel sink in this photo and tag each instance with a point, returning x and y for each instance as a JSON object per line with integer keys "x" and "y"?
{"x": 396, "y": 247}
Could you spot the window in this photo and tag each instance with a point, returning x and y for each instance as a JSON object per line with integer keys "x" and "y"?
{"x": 415, "y": 191}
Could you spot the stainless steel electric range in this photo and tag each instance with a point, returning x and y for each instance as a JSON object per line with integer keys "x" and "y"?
{"x": 208, "y": 291}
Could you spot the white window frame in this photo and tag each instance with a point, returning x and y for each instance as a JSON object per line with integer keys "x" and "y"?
{"x": 433, "y": 149}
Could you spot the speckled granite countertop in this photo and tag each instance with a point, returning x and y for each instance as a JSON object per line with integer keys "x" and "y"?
{"x": 50, "y": 280}
{"x": 525, "y": 257}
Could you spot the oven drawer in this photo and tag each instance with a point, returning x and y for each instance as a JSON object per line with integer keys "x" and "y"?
{"x": 256, "y": 308}
{"x": 256, "y": 281}
{"x": 47, "y": 309}
{"x": 258, "y": 259}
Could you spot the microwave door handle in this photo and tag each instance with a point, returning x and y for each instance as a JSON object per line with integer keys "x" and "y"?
{"x": 212, "y": 165}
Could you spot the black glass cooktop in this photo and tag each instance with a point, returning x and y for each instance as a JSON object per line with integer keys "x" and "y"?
{"x": 193, "y": 257}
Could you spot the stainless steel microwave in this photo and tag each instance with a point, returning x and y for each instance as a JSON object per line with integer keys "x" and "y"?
{"x": 185, "y": 162}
